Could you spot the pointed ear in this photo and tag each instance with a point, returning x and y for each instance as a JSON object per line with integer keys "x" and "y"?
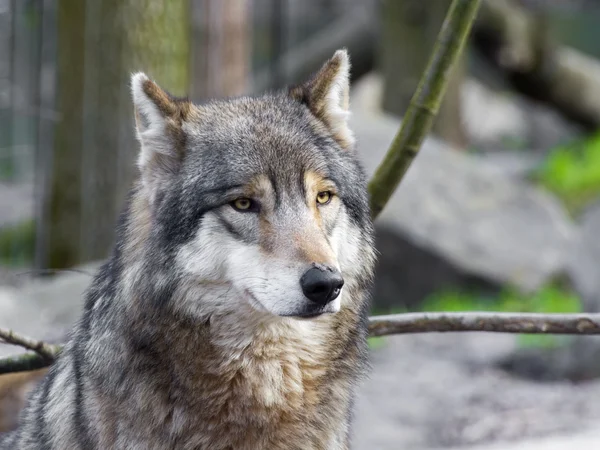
{"x": 158, "y": 120}
{"x": 327, "y": 95}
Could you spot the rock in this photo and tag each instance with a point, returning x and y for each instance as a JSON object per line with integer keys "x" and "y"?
{"x": 500, "y": 119}
{"x": 494, "y": 118}
{"x": 584, "y": 260}
{"x": 45, "y": 308}
{"x": 434, "y": 391}
{"x": 465, "y": 214}
{"x": 583, "y": 440}
{"x": 576, "y": 360}
{"x": 16, "y": 202}
{"x": 514, "y": 164}
{"x": 407, "y": 272}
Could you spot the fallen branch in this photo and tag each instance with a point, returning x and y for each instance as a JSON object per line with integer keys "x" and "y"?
{"x": 438, "y": 322}
{"x": 44, "y": 350}
{"x": 424, "y": 104}
{"x": 524, "y": 323}
{"x": 24, "y": 363}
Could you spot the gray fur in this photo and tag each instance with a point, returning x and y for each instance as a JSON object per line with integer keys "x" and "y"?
{"x": 168, "y": 354}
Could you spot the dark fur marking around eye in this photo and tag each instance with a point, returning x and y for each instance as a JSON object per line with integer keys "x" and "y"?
{"x": 230, "y": 228}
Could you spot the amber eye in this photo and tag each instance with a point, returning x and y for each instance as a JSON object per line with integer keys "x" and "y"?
{"x": 242, "y": 204}
{"x": 323, "y": 197}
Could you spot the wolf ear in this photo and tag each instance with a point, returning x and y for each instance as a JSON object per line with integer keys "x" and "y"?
{"x": 327, "y": 95}
{"x": 158, "y": 120}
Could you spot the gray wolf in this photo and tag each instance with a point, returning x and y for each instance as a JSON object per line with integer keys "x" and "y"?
{"x": 232, "y": 313}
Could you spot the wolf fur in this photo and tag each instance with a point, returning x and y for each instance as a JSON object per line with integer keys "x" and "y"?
{"x": 196, "y": 333}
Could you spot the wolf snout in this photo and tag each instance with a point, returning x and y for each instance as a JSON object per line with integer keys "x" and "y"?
{"x": 321, "y": 284}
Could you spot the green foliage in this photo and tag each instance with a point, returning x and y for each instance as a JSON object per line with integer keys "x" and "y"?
{"x": 7, "y": 168}
{"x": 549, "y": 299}
{"x": 17, "y": 244}
{"x": 376, "y": 342}
{"x": 572, "y": 172}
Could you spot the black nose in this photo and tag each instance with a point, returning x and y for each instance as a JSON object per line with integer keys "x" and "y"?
{"x": 321, "y": 284}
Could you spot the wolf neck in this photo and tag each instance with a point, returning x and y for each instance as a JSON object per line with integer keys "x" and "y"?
{"x": 275, "y": 355}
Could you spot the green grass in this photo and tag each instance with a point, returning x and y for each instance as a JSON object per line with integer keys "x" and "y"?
{"x": 7, "y": 168}
{"x": 376, "y": 342}
{"x": 549, "y": 299}
{"x": 17, "y": 244}
{"x": 572, "y": 172}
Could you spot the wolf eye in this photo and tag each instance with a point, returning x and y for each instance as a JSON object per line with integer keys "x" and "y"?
{"x": 244, "y": 204}
{"x": 323, "y": 197}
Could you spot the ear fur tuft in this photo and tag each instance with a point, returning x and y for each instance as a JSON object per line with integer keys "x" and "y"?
{"x": 158, "y": 120}
{"x": 327, "y": 95}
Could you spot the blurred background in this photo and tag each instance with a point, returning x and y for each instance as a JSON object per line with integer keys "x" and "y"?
{"x": 499, "y": 212}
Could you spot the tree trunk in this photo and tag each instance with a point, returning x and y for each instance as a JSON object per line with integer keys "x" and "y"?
{"x": 64, "y": 224}
{"x": 94, "y": 149}
{"x": 157, "y": 35}
{"x": 221, "y": 60}
{"x": 100, "y": 141}
{"x": 410, "y": 28}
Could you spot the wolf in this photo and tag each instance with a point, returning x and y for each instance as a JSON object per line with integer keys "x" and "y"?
{"x": 232, "y": 313}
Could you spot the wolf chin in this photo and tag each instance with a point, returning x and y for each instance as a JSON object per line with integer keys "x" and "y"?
{"x": 232, "y": 313}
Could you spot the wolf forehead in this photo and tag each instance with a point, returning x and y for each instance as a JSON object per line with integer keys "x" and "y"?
{"x": 269, "y": 135}
{"x": 306, "y": 124}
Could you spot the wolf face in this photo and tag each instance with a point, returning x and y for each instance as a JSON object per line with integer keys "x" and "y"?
{"x": 255, "y": 202}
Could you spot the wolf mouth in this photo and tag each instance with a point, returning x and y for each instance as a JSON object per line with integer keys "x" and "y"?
{"x": 310, "y": 313}
{"x": 306, "y": 314}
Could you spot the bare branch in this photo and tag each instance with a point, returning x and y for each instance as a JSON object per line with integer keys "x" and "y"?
{"x": 436, "y": 322}
{"x": 23, "y": 363}
{"x": 424, "y": 104}
{"x": 44, "y": 350}
{"x": 526, "y": 323}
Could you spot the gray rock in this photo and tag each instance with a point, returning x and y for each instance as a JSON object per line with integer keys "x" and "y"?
{"x": 489, "y": 225}
{"x": 501, "y": 119}
{"x": 16, "y": 203}
{"x": 579, "y": 359}
{"x": 44, "y": 308}
{"x": 439, "y": 391}
{"x": 493, "y": 117}
{"x": 576, "y": 359}
{"x": 584, "y": 260}
{"x": 407, "y": 272}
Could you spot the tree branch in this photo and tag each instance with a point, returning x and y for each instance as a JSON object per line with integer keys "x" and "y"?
{"x": 425, "y": 103}
{"x": 44, "y": 350}
{"x": 437, "y": 322}
{"x": 525, "y": 323}
{"x": 24, "y": 363}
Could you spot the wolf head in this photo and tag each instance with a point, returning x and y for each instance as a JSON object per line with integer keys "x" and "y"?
{"x": 261, "y": 200}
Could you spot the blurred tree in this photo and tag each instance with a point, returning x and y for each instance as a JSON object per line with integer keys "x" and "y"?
{"x": 409, "y": 30}
{"x": 64, "y": 221}
{"x": 99, "y": 45}
{"x": 221, "y": 60}
{"x": 157, "y": 38}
